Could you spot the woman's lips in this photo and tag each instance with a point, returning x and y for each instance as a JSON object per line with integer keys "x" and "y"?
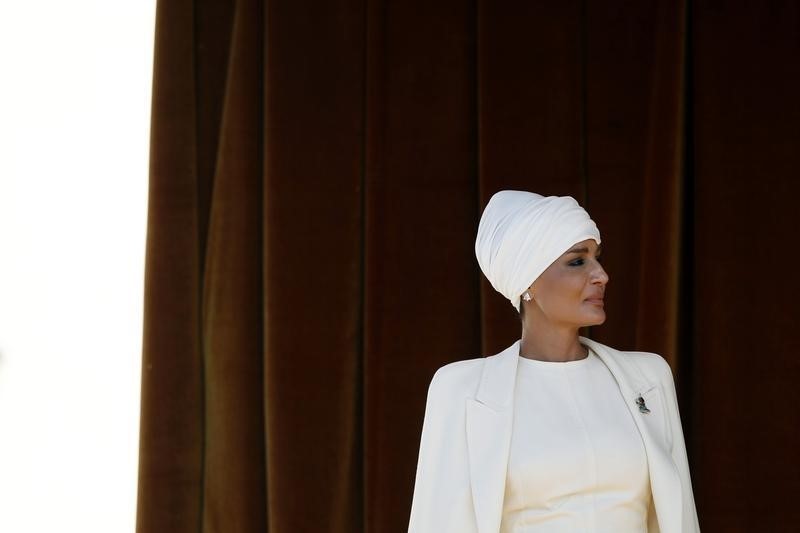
{"x": 596, "y": 301}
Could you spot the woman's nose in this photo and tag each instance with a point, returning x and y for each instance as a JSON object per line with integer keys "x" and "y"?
{"x": 600, "y": 275}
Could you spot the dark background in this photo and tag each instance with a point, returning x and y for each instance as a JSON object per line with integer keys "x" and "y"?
{"x": 318, "y": 170}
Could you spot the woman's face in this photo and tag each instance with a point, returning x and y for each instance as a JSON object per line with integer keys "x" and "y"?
{"x": 570, "y": 292}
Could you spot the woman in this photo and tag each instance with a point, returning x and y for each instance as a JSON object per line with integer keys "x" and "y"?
{"x": 557, "y": 433}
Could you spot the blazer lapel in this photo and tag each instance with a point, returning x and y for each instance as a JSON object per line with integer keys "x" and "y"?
{"x": 488, "y": 421}
{"x": 665, "y": 482}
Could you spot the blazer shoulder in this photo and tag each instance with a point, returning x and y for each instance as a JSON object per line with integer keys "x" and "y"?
{"x": 459, "y": 375}
{"x": 652, "y": 364}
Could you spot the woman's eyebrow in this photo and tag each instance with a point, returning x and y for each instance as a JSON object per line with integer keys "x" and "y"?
{"x": 578, "y": 251}
{"x": 584, "y": 250}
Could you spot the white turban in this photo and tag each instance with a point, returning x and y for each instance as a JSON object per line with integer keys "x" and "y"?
{"x": 521, "y": 233}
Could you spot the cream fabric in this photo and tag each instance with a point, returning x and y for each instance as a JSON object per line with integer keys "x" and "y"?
{"x": 576, "y": 462}
{"x": 466, "y": 437}
{"x": 521, "y": 233}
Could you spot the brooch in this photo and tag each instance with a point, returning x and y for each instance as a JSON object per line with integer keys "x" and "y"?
{"x": 642, "y": 407}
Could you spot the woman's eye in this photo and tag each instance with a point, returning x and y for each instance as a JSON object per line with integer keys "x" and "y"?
{"x": 579, "y": 262}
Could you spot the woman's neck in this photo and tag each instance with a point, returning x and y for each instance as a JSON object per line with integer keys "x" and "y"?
{"x": 550, "y": 344}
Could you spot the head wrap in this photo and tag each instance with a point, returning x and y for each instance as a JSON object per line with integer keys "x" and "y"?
{"x": 521, "y": 233}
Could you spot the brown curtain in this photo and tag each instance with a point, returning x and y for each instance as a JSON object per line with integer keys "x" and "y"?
{"x": 317, "y": 174}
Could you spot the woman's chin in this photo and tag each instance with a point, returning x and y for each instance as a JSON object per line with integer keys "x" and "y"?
{"x": 596, "y": 321}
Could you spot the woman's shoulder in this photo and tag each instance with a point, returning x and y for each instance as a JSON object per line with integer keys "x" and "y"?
{"x": 464, "y": 374}
{"x": 652, "y": 364}
{"x": 458, "y": 370}
{"x": 462, "y": 379}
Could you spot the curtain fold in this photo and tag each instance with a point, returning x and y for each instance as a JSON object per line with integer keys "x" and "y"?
{"x": 232, "y": 297}
{"x": 172, "y": 428}
{"x": 313, "y": 257}
{"x": 419, "y": 199}
{"x": 316, "y": 179}
{"x": 663, "y": 206}
{"x": 745, "y": 186}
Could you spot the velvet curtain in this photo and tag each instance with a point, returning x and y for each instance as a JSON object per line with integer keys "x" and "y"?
{"x": 317, "y": 174}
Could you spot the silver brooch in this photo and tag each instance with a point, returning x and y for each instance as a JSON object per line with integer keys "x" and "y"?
{"x": 642, "y": 407}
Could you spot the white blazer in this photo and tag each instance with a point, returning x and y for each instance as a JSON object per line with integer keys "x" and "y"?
{"x": 466, "y": 435}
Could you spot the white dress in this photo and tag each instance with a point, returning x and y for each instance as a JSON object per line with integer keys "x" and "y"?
{"x": 577, "y": 462}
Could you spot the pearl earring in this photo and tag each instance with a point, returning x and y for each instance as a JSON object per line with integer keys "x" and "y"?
{"x": 526, "y": 296}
